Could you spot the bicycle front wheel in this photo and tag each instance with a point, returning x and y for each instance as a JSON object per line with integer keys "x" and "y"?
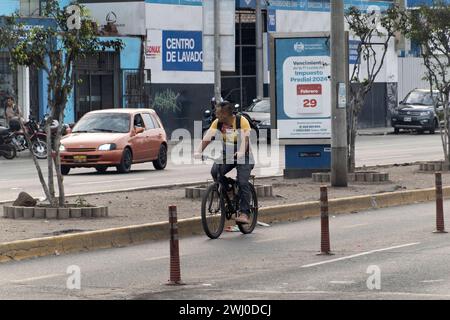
{"x": 213, "y": 213}
{"x": 253, "y": 217}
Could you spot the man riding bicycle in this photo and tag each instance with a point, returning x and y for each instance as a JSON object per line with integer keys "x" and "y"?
{"x": 235, "y": 132}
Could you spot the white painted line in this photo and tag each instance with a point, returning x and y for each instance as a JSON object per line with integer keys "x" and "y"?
{"x": 105, "y": 181}
{"x": 157, "y": 258}
{"x": 37, "y": 278}
{"x": 432, "y": 281}
{"x": 268, "y": 240}
{"x": 355, "y": 226}
{"x": 342, "y": 282}
{"x": 359, "y": 255}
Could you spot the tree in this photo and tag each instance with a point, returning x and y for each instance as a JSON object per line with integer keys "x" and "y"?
{"x": 373, "y": 32}
{"x": 429, "y": 27}
{"x": 54, "y": 49}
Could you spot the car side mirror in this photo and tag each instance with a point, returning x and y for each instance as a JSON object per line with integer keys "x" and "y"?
{"x": 139, "y": 130}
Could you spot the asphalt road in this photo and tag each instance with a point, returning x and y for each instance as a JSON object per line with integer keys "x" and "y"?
{"x": 20, "y": 174}
{"x": 276, "y": 262}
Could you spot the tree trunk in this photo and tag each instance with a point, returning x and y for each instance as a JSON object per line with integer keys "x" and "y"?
{"x": 36, "y": 163}
{"x": 51, "y": 184}
{"x": 60, "y": 178}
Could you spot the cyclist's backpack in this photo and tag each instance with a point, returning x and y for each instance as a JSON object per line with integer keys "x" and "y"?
{"x": 252, "y": 123}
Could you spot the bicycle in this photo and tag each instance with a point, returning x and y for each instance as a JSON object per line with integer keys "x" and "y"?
{"x": 218, "y": 205}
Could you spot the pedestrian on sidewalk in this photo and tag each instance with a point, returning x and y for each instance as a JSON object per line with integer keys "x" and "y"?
{"x": 11, "y": 110}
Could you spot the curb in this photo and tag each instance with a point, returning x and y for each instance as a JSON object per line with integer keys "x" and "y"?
{"x": 195, "y": 183}
{"x": 137, "y": 234}
{"x": 159, "y": 186}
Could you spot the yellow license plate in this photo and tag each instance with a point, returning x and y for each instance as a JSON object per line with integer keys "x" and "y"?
{"x": 79, "y": 158}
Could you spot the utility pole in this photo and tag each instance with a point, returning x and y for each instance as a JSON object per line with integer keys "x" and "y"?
{"x": 217, "y": 64}
{"x": 339, "y": 146}
{"x": 259, "y": 52}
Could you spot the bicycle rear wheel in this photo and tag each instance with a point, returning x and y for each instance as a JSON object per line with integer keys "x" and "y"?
{"x": 253, "y": 217}
{"x": 213, "y": 213}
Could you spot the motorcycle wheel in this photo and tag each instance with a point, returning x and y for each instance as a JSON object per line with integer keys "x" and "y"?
{"x": 9, "y": 152}
{"x": 39, "y": 148}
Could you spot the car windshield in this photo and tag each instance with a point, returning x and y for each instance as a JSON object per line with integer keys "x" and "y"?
{"x": 104, "y": 122}
{"x": 421, "y": 98}
{"x": 260, "y": 106}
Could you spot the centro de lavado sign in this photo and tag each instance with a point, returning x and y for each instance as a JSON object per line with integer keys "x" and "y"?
{"x": 182, "y": 50}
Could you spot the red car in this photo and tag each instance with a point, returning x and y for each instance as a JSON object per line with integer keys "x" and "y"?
{"x": 115, "y": 138}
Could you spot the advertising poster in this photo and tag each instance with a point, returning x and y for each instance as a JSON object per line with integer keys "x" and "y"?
{"x": 303, "y": 88}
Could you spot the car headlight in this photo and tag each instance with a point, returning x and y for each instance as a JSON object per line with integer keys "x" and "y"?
{"x": 107, "y": 147}
{"x": 62, "y": 148}
{"x": 425, "y": 113}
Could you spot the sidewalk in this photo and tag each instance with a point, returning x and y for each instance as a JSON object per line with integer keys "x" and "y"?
{"x": 375, "y": 131}
{"x": 142, "y": 207}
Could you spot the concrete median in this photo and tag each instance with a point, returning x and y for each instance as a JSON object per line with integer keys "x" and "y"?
{"x": 130, "y": 235}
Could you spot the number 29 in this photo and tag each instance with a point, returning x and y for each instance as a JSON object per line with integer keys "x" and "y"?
{"x": 309, "y": 103}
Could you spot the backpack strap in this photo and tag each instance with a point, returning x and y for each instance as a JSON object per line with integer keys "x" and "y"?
{"x": 238, "y": 122}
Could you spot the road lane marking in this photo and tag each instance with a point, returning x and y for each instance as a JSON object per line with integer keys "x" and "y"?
{"x": 156, "y": 258}
{"x": 432, "y": 281}
{"x": 342, "y": 282}
{"x": 37, "y": 278}
{"x": 355, "y": 226}
{"x": 359, "y": 255}
{"x": 105, "y": 181}
{"x": 268, "y": 240}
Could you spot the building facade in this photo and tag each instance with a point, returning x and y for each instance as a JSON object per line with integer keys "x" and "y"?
{"x": 162, "y": 67}
{"x": 104, "y": 77}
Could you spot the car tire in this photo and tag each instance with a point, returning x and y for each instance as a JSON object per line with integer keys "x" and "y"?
{"x": 161, "y": 162}
{"x": 65, "y": 170}
{"x": 420, "y": 131}
{"x": 396, "y": 130}
{"x": 125, "y": 162}
{"x": 435, "y": 125}
{"x": 101, "y": 169}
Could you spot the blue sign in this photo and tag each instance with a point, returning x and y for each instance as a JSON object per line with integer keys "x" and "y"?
{"x": 312, "y": 5}
{"x": 353, "y": 51}
{"x": 417, "y": 3}
{"x": 182, "y": 50}
{"x": 271, "y": 20}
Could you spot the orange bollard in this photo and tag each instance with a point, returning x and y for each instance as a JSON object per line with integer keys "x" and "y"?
{"x": 324, "y": 223}
{"x": 440, "y": 226}
{"x": 175, "y": 270}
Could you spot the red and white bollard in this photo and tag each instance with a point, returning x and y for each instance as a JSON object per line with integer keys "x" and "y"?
{"x": 440, "y": 226}
{"x": 324, "y": 223}
{"x": 175, "y": 270}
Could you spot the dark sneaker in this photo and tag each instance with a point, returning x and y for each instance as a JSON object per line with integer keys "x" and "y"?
{"x": 243, "y": 219}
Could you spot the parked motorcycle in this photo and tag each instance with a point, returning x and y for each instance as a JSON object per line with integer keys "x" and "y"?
{"x": 38, "y": 136}
{"x": 7, "y": 149}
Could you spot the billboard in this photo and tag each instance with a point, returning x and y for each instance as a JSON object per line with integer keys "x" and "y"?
{"x": 302, "y": 87}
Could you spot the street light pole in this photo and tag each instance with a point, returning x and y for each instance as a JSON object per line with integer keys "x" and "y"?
{"x": 217, "y": 64}
{"x": 259, "y": 52}
{"x": 339, "y": 147}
